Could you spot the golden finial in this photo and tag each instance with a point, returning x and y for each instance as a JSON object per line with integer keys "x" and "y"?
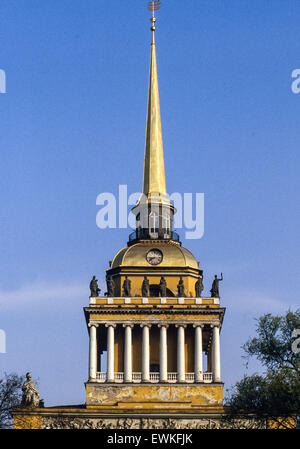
{"x": 153, "y": 6}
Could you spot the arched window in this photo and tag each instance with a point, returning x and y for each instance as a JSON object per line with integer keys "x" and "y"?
{"x": 153, "y": 222}
{"x": 138, "y": 225}
{"x": 166, "y": 224}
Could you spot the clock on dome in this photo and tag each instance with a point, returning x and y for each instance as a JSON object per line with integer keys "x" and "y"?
{"x": 154, "y": 257}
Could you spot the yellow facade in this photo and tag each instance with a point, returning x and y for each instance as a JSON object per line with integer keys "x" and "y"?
{"x": 27, "y": 421}
{"x": 151, "y": 397}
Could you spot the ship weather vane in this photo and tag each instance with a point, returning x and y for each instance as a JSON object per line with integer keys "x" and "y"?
{"x": 153, "y": 6}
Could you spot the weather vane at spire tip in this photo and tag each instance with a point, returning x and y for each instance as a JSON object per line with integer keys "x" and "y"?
{"x": 153, "y": 6}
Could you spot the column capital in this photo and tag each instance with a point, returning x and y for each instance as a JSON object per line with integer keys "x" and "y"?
{"x": 215, "y": 325}
{"x": 198, "y": 325}
{"x": 93, "y": 324}
{"x": 181, "y": 325}
{"x": 163, "y": 325}
{"x": 111, "y": 325}
{"x": 128, "y": 325}
{"x": 145, "y": 325}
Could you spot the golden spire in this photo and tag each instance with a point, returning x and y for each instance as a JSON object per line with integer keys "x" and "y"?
{"x": 154, "y": 182}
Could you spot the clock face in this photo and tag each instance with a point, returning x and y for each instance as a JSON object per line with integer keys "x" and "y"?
{"x": 154, "y": 257}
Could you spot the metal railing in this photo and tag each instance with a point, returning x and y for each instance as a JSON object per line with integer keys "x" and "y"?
{"x": 145, "y": 234}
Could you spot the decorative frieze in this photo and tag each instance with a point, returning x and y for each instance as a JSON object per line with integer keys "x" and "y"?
{"x": 217, "y": 422}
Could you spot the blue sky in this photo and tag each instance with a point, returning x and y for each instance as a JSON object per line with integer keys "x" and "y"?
{"x": 73, "y": 126}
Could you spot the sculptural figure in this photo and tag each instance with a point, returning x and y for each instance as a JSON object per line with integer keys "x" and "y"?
{"x": 94, "y": 287}
{"x": 199, "y": 287}
{"x": 215, "y": 287}
{"x": 127, "y": 287}
{"x": 145, "y": 287}
{"x": 163, "y": 287}
{"x": 180, "y": 287}
{"x": 30, "y": 396}
{"x": 110, "y": 286}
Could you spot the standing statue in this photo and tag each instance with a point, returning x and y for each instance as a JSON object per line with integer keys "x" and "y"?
{"x": 180, "y": 287}
{"x": 30, "y": 397}
{"x": 199, "y": 287}
{"x": 127, "y": 287}
{"x": 110, "y": 286}
{"x": 94, "y": 287}
{"x": 163, "y": 287}
{"x": 215, "y": 287}
{"x": 145, "y": 287}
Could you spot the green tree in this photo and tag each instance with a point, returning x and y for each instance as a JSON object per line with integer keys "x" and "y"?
{"x": 275, "y": 395}
{"x": 10, "y": 396}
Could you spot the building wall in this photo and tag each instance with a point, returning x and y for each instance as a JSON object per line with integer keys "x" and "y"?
{"x": 171, "y": 279}
{"x": 153, "y": 396}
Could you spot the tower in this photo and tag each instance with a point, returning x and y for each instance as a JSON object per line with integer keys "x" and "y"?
{"x": 153, "y": 325}
{"x": 154, "y": 341}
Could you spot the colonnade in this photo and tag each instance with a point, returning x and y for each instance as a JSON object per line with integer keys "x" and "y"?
{"x": 164, "y": 376}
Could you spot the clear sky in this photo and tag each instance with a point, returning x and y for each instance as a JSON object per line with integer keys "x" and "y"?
{"x": 73, "y": 126}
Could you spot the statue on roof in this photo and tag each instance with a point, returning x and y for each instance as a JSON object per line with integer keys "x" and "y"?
{"x": 94, "y": 287}
{"x": 180, "y": 288}
{"x": 199, "y": 287}
{"x": 163, "y": 287}
{"x": 110, "y": 286}
{"x": 30, "y": 396}
{"x": 215, "y": 286}
{"x": 127, "y": 287}
{"x": 145, "y": 287}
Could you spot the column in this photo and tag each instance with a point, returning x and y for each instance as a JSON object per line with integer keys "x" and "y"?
{"x": 180, "y": 354}
{"x": 163, "y": 353}
{"x": 198, "y": 353}
{"x": 146, "y": 353}
{"x": 110, "y": 352}
{"x": 216, "y": 355}
{"x": 93, "y": 351}
{"x": 128, "y": 353}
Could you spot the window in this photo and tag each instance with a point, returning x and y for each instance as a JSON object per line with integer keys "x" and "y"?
{"x": 153, "y": 222}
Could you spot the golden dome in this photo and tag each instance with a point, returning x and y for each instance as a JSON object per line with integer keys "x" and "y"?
{"x": 173, "y": 256}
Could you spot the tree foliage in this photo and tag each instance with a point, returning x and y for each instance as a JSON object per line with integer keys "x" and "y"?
{"x": 275, "y": 395}
{"x": 273, "y": 344}
{"x": 10, "y": 396}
